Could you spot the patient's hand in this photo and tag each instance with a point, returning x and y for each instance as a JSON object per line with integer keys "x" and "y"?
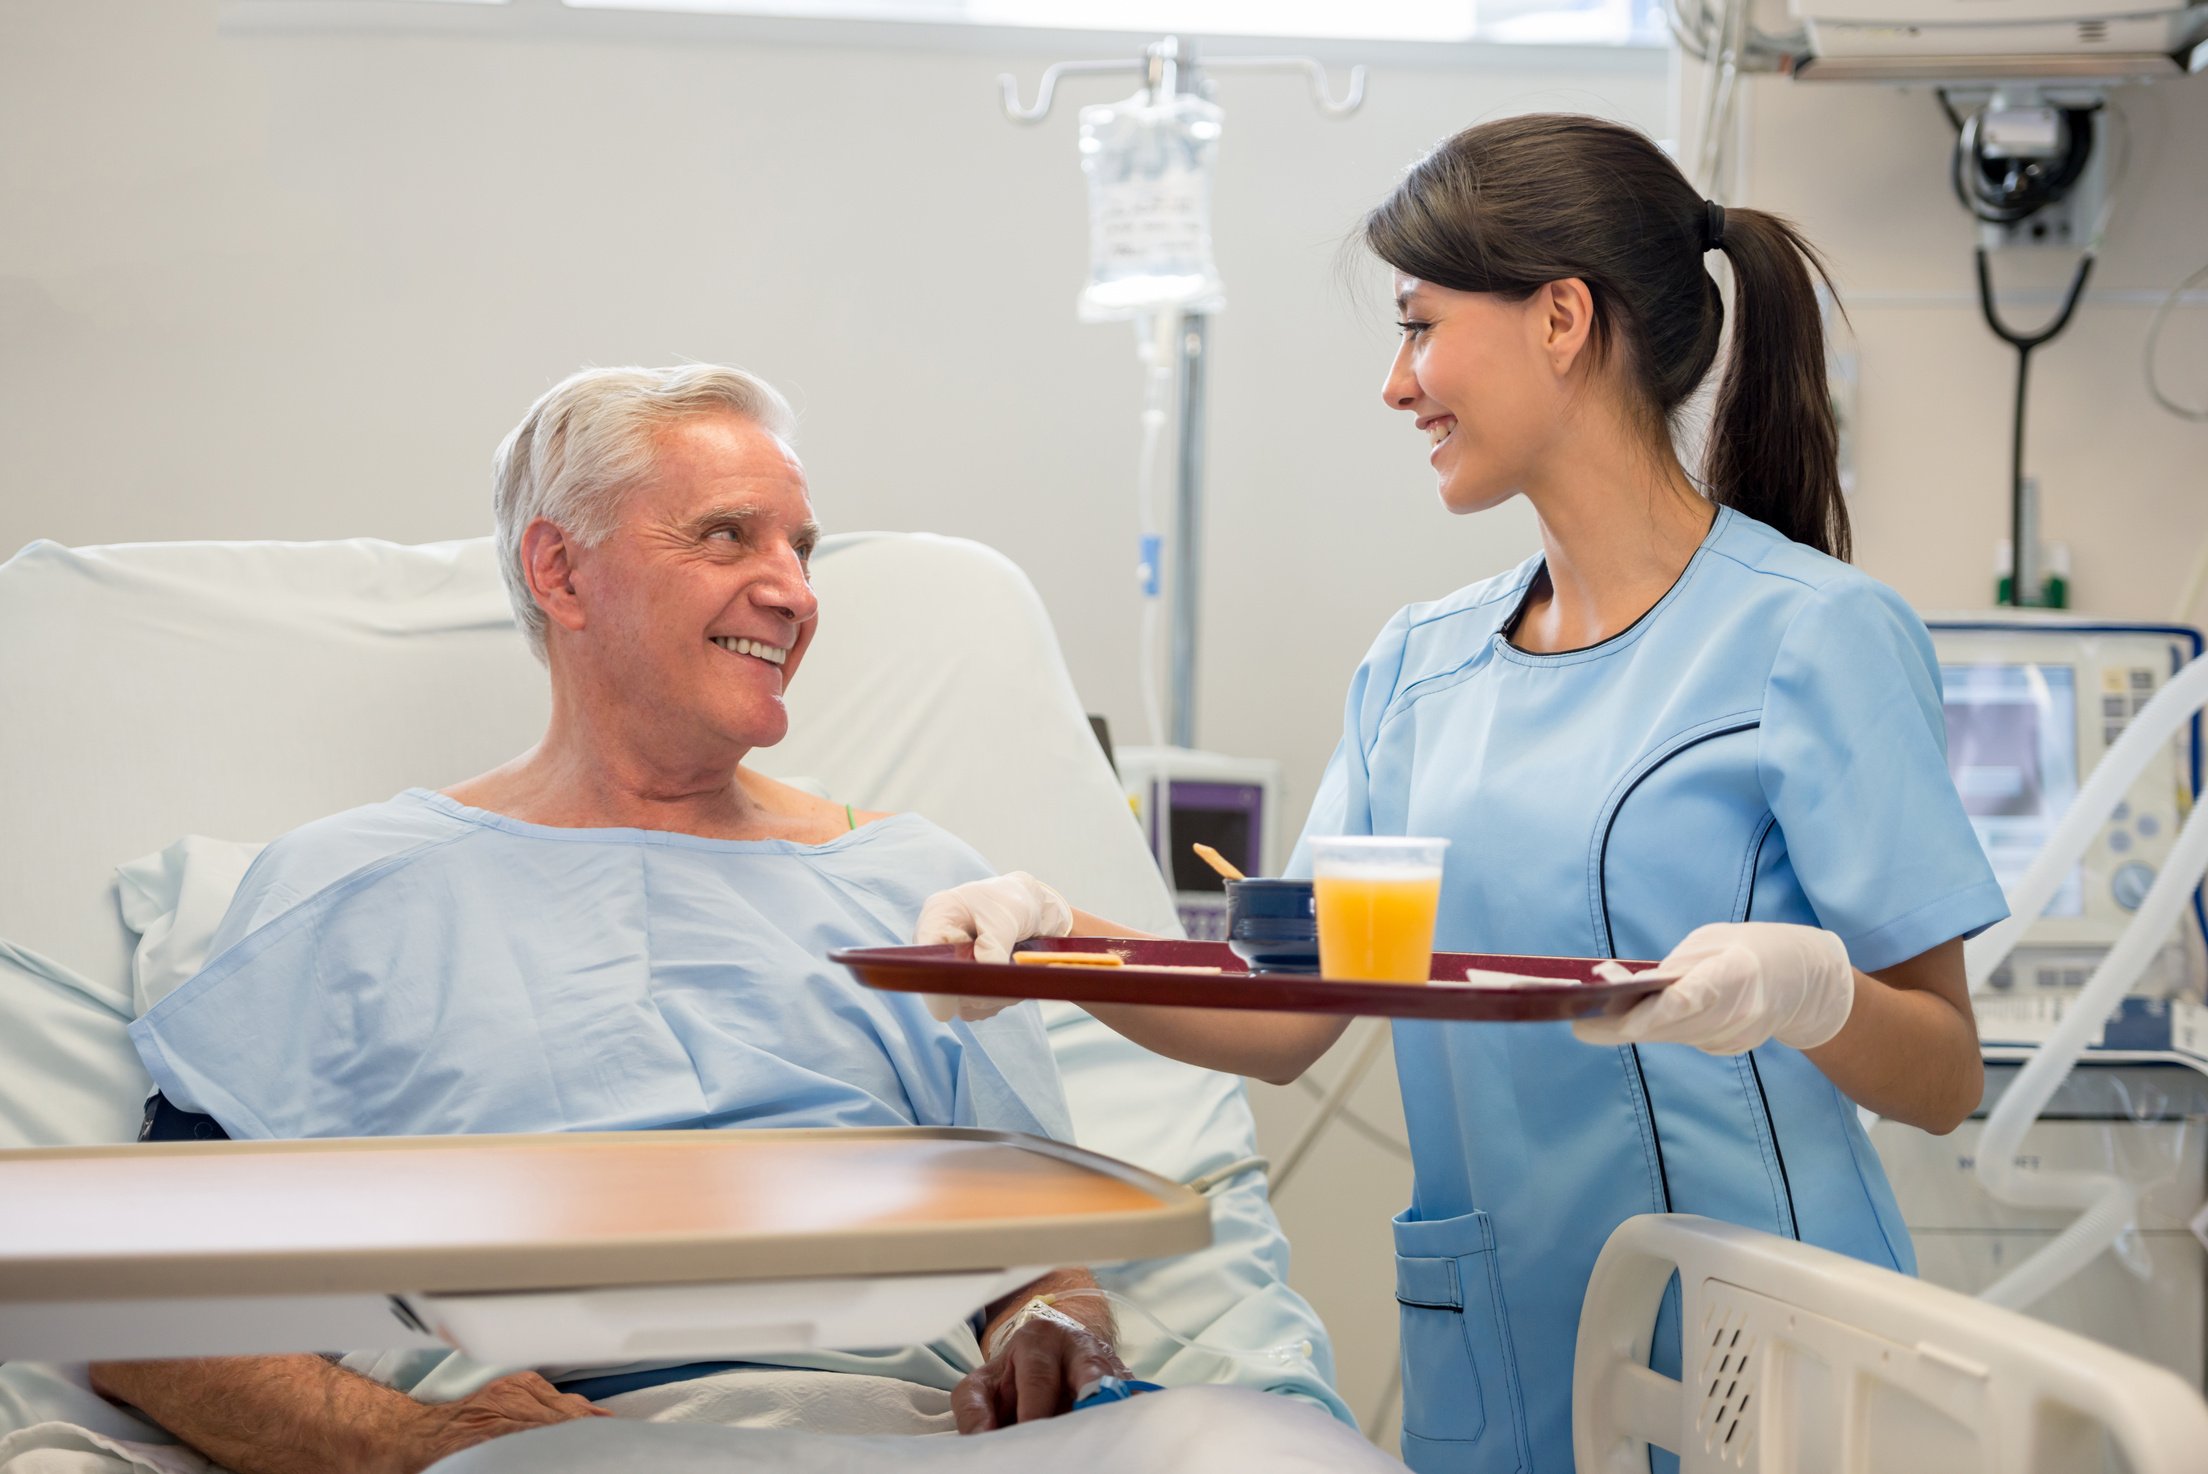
{"x": 1037, "y": 1373}
{"x": 509, "y": 1405}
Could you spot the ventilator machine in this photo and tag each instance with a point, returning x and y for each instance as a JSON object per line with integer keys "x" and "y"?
{"x": 2078, "y": 1191}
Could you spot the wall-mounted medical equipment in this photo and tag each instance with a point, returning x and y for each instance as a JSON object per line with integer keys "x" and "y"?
{"x": 2025, "y": 84}
{"x": 2029, "y": 165}
{"x": 1944, "y": 40}
{"x": 2077, "y": 749}
{"x": 2080, "y": 809}
{"x": 2143, "y": 1122}
{"x": 2034, "y": 704}
{"x": 1900, "y": 40}
{"x": 1149, "y": 160}
{"x": 1183, "y": 798}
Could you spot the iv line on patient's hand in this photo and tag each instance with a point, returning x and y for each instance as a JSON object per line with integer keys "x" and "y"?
{"x": 1286, "y": 1353}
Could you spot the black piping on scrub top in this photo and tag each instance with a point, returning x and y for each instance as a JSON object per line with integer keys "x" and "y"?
{"x": 1609, "y": 945}
{"x": 1602, "y": 884}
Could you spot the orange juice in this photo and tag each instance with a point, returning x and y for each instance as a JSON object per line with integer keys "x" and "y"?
{"x": 1377, "y": 926}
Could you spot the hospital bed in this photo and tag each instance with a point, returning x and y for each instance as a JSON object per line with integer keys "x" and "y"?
{"x": 176, "y": 704}
{"x": 167, "y": 705}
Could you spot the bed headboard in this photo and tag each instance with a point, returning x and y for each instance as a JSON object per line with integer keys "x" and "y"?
{"x": 153, "y": 690}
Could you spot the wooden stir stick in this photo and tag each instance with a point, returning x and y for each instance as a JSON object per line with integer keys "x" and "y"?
{"x": 1217, "y": 861}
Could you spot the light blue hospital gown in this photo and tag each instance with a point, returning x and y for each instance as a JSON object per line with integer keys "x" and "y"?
{"x": 419, "y": 967}
{"x": 1767, "y": 744}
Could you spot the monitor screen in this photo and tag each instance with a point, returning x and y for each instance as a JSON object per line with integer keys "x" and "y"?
{"x": 2012, "y": 747}
{"x": 1226, "y": 830}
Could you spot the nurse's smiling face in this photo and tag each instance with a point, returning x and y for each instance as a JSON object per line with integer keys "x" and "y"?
{"x": 692, "y": 617}
{"x": 1488, "y": 381}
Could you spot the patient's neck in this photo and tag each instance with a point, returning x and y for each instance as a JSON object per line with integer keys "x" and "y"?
{"x": 600, "y": 773}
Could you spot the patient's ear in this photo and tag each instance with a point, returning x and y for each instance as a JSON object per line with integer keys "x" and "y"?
{"x": 547, "y": 561}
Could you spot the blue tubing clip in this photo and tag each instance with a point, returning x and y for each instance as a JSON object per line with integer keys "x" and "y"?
{"x": 1112, "y": 1389}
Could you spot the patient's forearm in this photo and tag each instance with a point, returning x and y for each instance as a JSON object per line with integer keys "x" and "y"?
{"x": 267, "y": 1414}
{"x": 280, "y": 1414}
{"x": 1275, "y": 1047}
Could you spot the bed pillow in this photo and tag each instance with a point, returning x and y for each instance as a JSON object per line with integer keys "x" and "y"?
{"x": 173, "y": 901}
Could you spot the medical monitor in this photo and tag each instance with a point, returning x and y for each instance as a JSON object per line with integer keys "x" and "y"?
{"x": 1183, "y": 798}
{"x": 2033, "y": 702}
{"x": 2012, "y": 747}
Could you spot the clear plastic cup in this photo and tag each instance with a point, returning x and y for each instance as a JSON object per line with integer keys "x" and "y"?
{"x": 1376, "y": 898}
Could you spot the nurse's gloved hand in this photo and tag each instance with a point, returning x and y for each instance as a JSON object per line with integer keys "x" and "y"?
{"x": 994, "y": 915}
{"x": 1740, "y": 985}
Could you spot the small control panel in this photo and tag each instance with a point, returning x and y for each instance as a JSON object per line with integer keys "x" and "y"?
{"x": 2131, "y": 836}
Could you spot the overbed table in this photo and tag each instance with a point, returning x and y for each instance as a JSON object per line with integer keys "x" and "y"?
{"x": 529, "y": 1250}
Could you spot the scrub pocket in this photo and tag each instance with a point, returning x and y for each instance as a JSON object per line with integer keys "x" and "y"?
{"x": 1460, "y": 1386}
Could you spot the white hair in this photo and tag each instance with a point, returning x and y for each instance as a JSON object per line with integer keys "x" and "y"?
{"x": 589, "y": 439}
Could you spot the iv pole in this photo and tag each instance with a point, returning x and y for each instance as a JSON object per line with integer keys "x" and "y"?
{"x": 1167, "y": 70}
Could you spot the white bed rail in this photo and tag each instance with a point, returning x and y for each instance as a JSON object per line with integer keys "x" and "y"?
{"x": 1802, "y": 1360}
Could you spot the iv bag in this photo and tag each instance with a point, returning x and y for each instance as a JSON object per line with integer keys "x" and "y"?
{"x": 1149, "y": 165}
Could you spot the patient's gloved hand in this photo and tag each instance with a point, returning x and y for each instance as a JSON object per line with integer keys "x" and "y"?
{"x": 993, "y": 915}
{"x": 1740, "y": 984}
{"x": 1037, "y": 1371}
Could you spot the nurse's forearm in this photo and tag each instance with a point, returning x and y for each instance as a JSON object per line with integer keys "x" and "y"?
{"x": 1909, "y": 1050}
{"x": 1273, "y": 1047}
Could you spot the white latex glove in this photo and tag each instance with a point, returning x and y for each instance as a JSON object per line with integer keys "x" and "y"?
{"x": 993, "y": 915}
{"x": 1740, "y": 984}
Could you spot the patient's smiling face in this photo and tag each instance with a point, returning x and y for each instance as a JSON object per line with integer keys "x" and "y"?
{"x": 699, "y": 607}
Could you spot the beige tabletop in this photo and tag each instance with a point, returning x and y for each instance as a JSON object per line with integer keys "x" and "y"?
{"x": 498, "y": 1213}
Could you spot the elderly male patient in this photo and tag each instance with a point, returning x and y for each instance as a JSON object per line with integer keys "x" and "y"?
{"x": 622, "y": 928}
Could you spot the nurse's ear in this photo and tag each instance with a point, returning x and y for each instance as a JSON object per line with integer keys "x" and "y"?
{"x": 1566, "y": 311}
{"x": 548, "y": 561}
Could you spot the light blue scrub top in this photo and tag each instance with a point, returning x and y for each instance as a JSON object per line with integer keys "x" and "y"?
{"x": 1766, "y": 743}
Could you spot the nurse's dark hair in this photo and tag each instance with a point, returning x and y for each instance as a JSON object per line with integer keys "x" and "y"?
{"x": 1512, "y": 205}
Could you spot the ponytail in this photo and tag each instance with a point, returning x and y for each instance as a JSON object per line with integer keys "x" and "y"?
{"x": 1774, "y": 450}
{"x": 1509, "y": 206}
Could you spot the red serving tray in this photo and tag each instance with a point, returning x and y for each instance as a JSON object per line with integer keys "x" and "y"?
{"x": 1575, "y": 993}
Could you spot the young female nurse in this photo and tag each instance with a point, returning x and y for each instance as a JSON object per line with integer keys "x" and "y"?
{"x": 1685, "y": 729}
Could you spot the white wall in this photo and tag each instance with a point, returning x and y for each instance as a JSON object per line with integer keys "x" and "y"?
{"x": 297, "y": 286}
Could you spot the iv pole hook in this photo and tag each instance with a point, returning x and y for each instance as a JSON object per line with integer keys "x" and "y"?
{"x": 1311, "y": 68}
{"x": 1160, "y": 68}
{"x": 1009, "y": 86}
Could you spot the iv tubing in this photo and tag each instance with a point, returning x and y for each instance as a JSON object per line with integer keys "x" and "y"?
{"x": 2107, "y": 1202}
{"x": 1153, "y": 349}
{"x": 1286, "y": 1353}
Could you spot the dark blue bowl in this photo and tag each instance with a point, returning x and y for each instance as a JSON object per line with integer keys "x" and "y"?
{"x": 1273, "y": 925}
